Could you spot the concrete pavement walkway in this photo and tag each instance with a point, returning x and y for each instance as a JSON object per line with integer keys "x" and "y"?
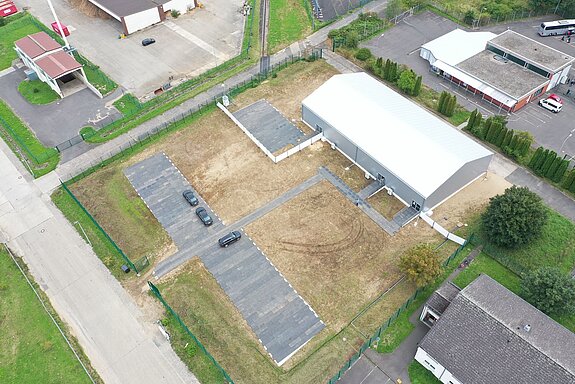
{"x": 123, "y": 346}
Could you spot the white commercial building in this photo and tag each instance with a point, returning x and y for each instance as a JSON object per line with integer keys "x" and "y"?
{"x": 417, "y": 156}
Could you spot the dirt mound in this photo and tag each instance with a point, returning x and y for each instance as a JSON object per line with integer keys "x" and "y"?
{"x": 89, "y": 9}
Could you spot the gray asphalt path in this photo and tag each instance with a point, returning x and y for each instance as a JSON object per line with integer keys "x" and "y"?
{"x": 123, "y": 346}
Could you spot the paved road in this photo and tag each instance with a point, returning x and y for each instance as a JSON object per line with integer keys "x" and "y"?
{"x": 121, "y": 344}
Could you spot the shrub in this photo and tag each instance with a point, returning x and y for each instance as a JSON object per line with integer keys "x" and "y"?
{"x": 417, "y": 86}
{"x": 550, "y": 290}
{"x": 406, "y": 81}
{"x": 363, "y": 54}
{"x": 351, "y": 39}
{"x": 421, "y": 264}
{"x": 514, "y": 218}
{"x": 175, "y": 13}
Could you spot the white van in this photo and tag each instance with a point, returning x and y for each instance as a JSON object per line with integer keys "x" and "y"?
{"x": 551, "y": 105}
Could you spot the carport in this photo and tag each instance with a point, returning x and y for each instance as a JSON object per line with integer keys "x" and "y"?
{"x": 139, "y": 14}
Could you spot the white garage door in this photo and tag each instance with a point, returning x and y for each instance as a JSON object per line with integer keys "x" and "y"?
{"x": 141, "y": 20}
{"x": 179, "y": 5}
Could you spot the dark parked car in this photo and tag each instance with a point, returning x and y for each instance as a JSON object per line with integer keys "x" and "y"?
{"x": 204, "y": 216}
{"x": 230, "y": 238}
{"x": 190, "y": 197}
{"x": 148, "y": 41}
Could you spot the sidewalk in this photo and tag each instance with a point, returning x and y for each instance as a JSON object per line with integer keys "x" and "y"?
{"x": 123, "y": 346}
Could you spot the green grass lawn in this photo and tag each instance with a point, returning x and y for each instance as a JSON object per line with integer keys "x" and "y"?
{"x": 32, "y": 350}
{"x": 9, "y": 34}
{"x": 556, "y": 247}
{"x": 102, "y": 246}
{"x": 419, "y": 375}
{"x": 37, "y": 92}
{"x": 41, "y": 159}
{"x": 288, "y": 22}
{"x": 127, "y": 104}
{"x": 485, "y": 264}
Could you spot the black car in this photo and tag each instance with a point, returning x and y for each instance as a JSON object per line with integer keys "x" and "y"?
{"x": 204, "y": 216}
{"x": 148, "y": 41}
{"x": 230, "y": 238}
{"x": 190, "y": 197}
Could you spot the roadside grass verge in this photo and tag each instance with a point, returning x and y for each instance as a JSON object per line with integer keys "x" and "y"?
{"x": 127, "y": 104}
{"x": 400, "y": 329}
{"x": 288, "y": 22}
{"x": 418, "y": 374}
{"x": 32, "y": 350}
{"x": 101, "y": 246}
{"x": 25, "y": 144}
{"x": 37, "y": 92}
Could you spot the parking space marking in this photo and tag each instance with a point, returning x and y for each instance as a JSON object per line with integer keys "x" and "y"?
{"x": 196, "y": 40}
{"x": 281, "y": 319}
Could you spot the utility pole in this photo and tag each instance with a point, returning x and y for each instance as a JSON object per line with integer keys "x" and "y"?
{"x": 66, "y": 44}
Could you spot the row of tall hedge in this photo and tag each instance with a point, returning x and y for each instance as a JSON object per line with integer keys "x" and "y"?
{"x": 546, "y": 163}
{"x": 494, "y": 130}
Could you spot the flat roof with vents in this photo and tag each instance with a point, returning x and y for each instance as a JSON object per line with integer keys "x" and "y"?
{"x": 531, "y": 50}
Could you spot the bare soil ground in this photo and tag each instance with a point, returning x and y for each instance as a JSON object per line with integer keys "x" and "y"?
{"x": 385, "y": 204}
{"x": 335, "y": 256}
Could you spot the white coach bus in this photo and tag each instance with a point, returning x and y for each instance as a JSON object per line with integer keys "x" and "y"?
{"x": 559, "y": 27}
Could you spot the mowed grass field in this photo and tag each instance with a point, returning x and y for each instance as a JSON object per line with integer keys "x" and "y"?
{"x": 288, "y": 22}
{"x": 11, "y": 32}
{"x": 31, "y": 348}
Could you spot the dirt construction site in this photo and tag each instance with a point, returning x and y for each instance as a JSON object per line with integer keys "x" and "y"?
{"x": 335, "y": 257}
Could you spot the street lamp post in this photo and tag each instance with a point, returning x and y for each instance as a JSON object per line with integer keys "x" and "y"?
{"x": 67, "y": 45}
{"x": 565, "y": 141}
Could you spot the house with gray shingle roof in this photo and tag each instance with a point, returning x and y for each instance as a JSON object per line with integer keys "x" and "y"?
{"x": 489, "y": 335}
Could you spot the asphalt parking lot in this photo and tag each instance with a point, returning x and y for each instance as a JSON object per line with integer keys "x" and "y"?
{"x": 184, "y": 47}
{"x": 401, "y": 44}
{"x": 280, "y": 318}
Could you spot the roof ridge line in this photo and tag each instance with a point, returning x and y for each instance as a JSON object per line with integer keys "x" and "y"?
{"x": 519, "y": 335}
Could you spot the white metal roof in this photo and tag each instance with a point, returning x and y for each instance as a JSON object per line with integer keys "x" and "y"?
{"x": 481, "y": 86}
{"x": 458, "y": 45}
{"x": 412, "y": 143}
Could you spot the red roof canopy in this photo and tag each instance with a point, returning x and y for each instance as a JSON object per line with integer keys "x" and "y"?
{"x": 37, "y": 44}
{"x": 58, "y": 64}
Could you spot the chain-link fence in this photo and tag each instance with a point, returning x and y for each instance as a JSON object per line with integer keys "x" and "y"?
{"x": 105, "y": 234}
{"x": 482, "y": 17}
{"x": 135, "y": 142}
{"x": 377, "y": 334}
{"x": 159, "y": 296}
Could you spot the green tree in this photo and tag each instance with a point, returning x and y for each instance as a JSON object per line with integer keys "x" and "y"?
{"x": 421, "y": 264}
{"x": 534, "y": 162}
{"x": 569, "y": 179}
{"x": 394, "y": 8}
{"x": 550, "y": 290}
{"x": 417, "y": 87}
{"x": 514, "y": 218}
{"x": 471, "y": 120}
{"x": 406, "y": 81}
{"x": 363, "y": 54}
{"x": 553, "y": 168}
{"x": 547, "y": 164}
{"x": 469, "y": 17}
{"x": 379, "y": 62}
{"x": 507, "y": 139}
{"x": 560, "y": 172}
{"x": 352, "y": 39}
{"x": 501, "y": 136}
